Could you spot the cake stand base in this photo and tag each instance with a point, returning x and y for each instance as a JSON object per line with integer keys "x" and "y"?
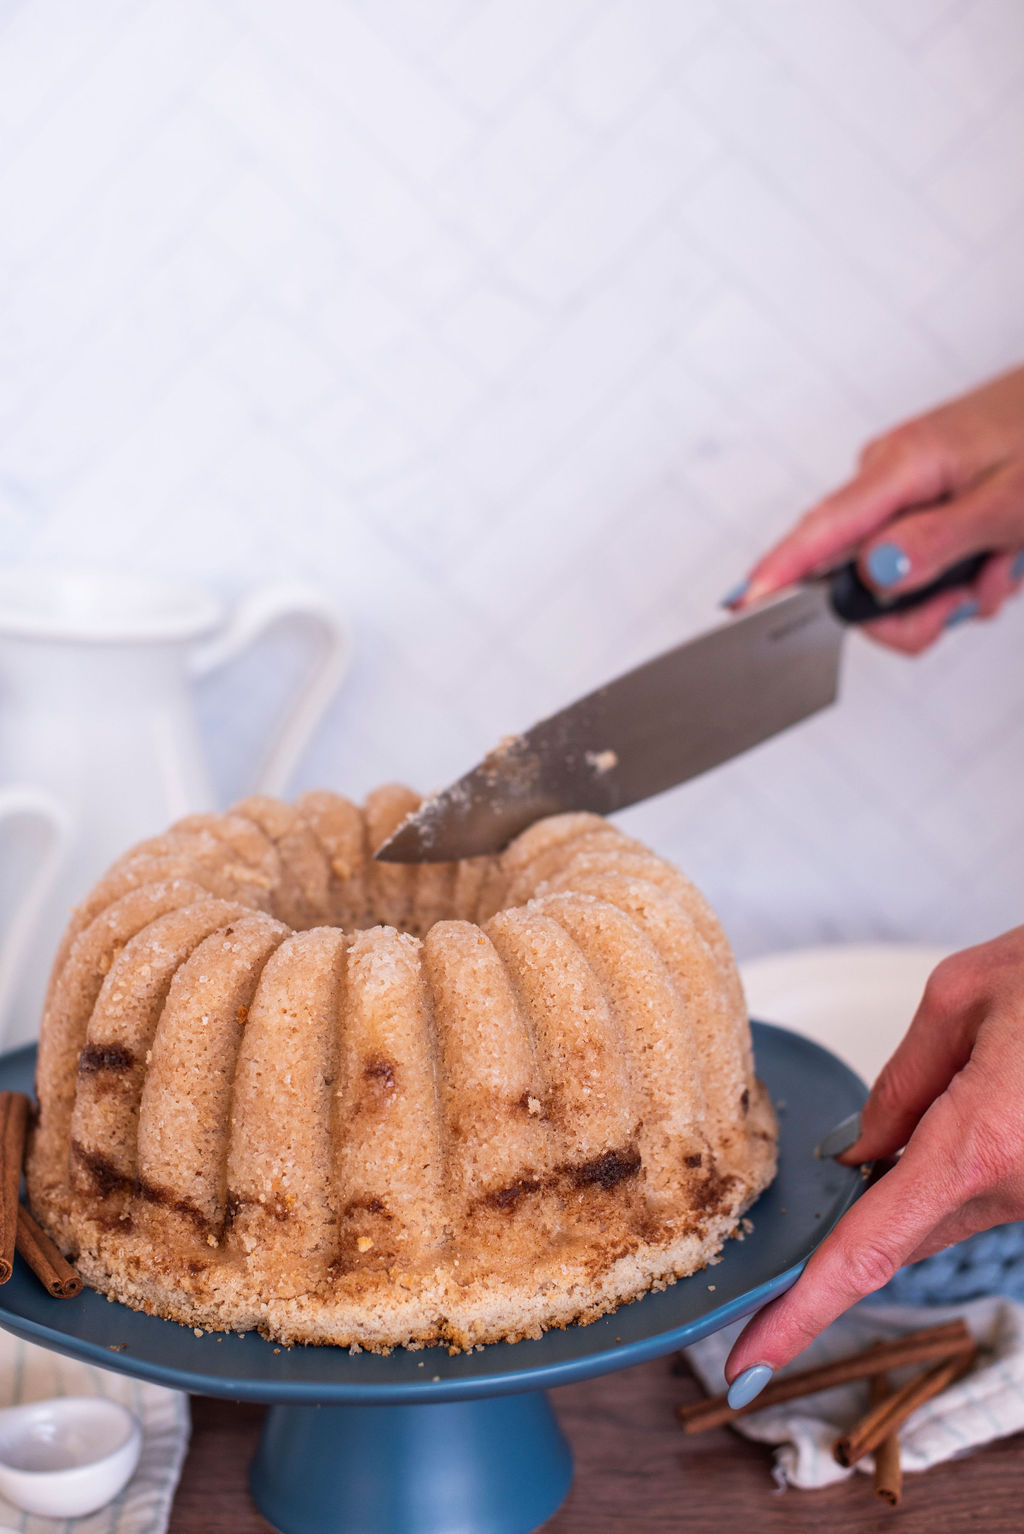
{"x": 453, "y": 1467}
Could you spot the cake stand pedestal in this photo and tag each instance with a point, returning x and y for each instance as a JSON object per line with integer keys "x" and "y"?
{"x": 497, "y": 1466}
{"x": 427, "y": 1443}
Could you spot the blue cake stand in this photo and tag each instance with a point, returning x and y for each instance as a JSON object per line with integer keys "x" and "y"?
{"x": 427, "y": 1443}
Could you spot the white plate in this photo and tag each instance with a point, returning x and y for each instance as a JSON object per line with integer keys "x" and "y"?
{"x": 858, "y": 999}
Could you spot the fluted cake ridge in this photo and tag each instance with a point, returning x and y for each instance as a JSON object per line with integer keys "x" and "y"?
{"x": 284, "y": 1086}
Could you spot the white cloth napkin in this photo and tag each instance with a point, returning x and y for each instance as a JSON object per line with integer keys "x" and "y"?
{"x": 30, "y": 1373}
{"x": 988, "y": 1404}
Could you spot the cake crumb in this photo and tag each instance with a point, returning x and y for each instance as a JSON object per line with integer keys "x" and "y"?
{"x": 276, "y": 1352}
{"x": 533, "y": 1105}
{"x": 364, "y": 1243}
{"x": 711, "y": 1288}
{"x": 601, "y": 761}
{"x": 197, "y": 1331}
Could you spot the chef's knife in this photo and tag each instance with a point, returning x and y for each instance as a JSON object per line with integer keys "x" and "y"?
{"x": 666, "y": 721}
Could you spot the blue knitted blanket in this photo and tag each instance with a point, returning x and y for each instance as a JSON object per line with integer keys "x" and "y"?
{"x": 990, "y": 1263}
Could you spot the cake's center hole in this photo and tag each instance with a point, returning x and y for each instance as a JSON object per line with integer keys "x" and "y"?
{"x": 412, "y": 898}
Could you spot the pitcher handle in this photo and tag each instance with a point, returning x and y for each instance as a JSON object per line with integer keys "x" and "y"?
{"x": 290, "y": 602}
{"x": 34, "y": 803}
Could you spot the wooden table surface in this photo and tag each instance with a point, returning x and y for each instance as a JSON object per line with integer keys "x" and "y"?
{"x": 636, "y": 1472}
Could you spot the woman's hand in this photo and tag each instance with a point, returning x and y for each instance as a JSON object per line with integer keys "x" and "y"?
{"x": 929, "y": 493}
{"x": 953, "y": 1095}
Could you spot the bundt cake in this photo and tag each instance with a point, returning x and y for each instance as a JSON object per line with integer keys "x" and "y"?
{"x": 284, "y": 1086}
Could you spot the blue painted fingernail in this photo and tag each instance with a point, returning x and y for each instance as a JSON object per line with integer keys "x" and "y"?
{"x": 845, "y": 1134}
{"x": 887, "y": 563}
{"x": 961, "y": 614}
{"x": 1017, "y": 568}
{"x": 736, "y": 594}
{"x": 748, "y": 1385}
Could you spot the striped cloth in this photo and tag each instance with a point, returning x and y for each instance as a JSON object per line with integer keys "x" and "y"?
{"x": 30, "y": 1373}
{"x": 986, "y": 1405}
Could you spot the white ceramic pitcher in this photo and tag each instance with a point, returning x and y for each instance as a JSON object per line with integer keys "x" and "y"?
{"x": 99, "y": 743}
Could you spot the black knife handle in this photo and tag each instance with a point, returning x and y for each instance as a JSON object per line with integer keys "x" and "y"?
{"x": 855, "y": 602}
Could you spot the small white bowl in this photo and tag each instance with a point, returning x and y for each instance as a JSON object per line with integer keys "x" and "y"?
{"x": 67, "y": 1456}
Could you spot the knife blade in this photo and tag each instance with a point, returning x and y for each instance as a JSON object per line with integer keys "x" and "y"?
{"x": 664, "y": 722}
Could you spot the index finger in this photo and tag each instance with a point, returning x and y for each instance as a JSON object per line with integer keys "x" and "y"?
{"x": 889, "y": 481}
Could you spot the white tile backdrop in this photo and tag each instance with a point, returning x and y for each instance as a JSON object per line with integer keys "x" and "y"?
{"x": 521, "y": 326}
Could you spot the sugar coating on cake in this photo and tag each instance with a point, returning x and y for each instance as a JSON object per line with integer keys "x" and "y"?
{"x": 283, "y": 1086}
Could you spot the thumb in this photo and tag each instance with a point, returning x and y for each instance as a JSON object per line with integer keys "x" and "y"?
{"x": 917, "y": 547}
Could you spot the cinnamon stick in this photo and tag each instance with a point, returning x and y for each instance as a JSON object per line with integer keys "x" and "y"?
{"x": 890, "y": 1414}
{"x": 14, "y": 1116}
{"x": 888, "y": 1469}
{"x": 45, "y": 1259}
{"x": 949, "y": 1338}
